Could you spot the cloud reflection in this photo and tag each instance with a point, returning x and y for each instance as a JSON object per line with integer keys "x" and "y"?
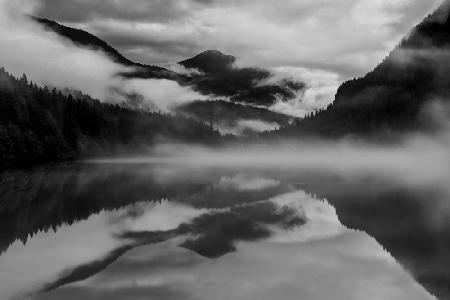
{"x": 245, "y": 183}
{"x": 47, "y": 256}
{"x": 342, "y": 264}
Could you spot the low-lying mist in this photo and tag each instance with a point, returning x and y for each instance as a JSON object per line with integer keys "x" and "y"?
{"x": 419, "y": 164}
{"x": 417, "y": 159}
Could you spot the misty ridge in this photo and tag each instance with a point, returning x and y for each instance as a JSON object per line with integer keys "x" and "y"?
{"x": 212, "y": 102}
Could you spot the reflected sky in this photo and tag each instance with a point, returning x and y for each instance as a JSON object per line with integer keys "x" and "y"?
{"x": 164, "y": 231}
{"x": 293, "y": 264}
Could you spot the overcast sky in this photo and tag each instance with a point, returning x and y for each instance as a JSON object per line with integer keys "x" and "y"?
{"x": 347, "y": 37}
{"x": 319, "y": 42}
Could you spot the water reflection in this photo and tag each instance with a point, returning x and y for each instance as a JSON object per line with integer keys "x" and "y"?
{"x": 162, "y": 231}
{"x": 411, "y": 221}
{"x": 340, "y": 264}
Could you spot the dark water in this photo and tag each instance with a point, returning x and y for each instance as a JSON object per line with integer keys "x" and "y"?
{"x": 169, "y": 231}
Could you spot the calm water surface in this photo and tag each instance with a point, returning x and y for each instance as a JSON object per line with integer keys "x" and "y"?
{"x": 115, "y": 230}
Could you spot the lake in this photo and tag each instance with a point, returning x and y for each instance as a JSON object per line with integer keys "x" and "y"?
{"x": 163, "y": 229}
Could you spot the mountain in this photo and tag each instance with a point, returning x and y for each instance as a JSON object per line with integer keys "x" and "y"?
{"x": 398, "y": 94}
{"x": 38, "y": 125}
{"x": 217, "y": 77}
{"x": 210, "y": 61}
{"x": 395, "y": 97}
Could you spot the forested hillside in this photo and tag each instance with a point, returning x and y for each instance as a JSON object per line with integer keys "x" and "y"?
{"x": 396, "y": 96}
{"x": 40, "y": 125}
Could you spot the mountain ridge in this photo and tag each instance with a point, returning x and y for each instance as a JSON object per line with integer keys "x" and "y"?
{"x": 218, "y": 76}
{"x": 85, "y": 39}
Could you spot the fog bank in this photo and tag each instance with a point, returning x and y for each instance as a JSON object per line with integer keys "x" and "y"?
{"x": 419, "y": 159}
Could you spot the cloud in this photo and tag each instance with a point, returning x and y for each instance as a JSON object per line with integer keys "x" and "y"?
{"x": 87, "y": 240}
{"x": 47, "y": 59}
{"x": 244, "y": 126}
{"x": 257, "y": 125}
{"x": 339, "y": 39}
{"x": 319, "y": 93}
{"x": 315, "y": 41}
{"x": 347, "y": 37}
{"x": 178, "y": 68}
{"x": 153, "y": 94}
{"x": 345, "y": 157}
{"x": 68, "y": 239}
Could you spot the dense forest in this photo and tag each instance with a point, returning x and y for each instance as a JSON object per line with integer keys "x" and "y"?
{"x": 40, "y": 125}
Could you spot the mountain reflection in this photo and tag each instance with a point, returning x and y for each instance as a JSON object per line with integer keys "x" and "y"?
{"x": 43, "y": 199}
{"x": 118, "y": 231}
{"x": 411, "y": 221}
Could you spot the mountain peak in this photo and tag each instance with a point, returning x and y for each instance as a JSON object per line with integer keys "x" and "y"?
{"x": 209, "y": 61}
{"x": 211, "y": 52}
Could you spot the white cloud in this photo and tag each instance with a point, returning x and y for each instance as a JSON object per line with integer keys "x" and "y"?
{"x": 257, "y": 125}
{"x": 244, "y": 126}
{"x": 177, "y": 68}
{"x": 320, "y": 91}
{"x": 157, "y": 94}
{"x": 48, "y": 60}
